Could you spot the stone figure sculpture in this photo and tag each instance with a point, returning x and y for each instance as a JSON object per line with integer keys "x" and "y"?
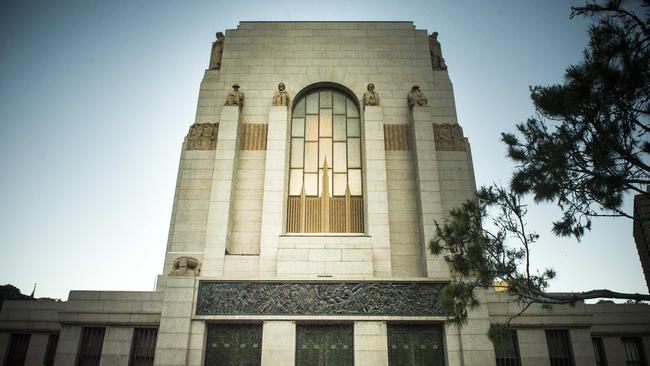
{"x": 281, "y": 96}
{"x": 437, "y": 61}
{"x": 235, "y": 97}
{"x": 186, "y": 266}
{"x": 416, "y": 97}
{"x": 202, "y": 136}
{"x": 217, "y": 52}
{"x": 449, "y": 137}
{"x": 371, "y": 97}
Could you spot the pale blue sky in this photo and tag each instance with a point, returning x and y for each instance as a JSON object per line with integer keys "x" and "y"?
{"x": 96, "y": 96}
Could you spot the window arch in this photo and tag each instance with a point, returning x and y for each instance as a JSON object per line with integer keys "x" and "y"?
{"x": 325, "y": 164}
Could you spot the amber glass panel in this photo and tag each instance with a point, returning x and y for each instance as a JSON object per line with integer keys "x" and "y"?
{"x": 353, "y": 127}
{"x": 298, "y": 127}
{"x": 354, "y": 180}
{"x": 326, "y": 99}
{"x": 352, "y": 109}
{"x": 354, "y": 153}
{"x": 339, "y": 103}
{"x": 311, "y": 184}
{"x": 297, "y": 152}
{"x": 311, "y": 133}
{"x": 325, "y": 151}
{"x": 311, "y": 157}
{"x": 312, "y": 103}
{"x": 320, "y": 181}
{"x": 340, "y": 181}
{"x": 299, "y": 109}
{"x": 295, "y": 182}
{"x": 339, "y": 164}
{"x": 339, "y": 128}
{"x": 325, "y": 123}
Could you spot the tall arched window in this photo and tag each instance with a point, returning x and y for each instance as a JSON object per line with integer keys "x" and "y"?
{"x": 325, "y": 189}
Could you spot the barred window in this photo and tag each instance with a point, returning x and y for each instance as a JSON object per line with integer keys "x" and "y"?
{"x": 559, "y": 347}
{"x": 90, "y": 349}
{"x": 507, "y": 350}
{"x": 633, "y": 351}
{"x": 599, "y": 351}
{"x": 325, "y": 165}
{"x": 143, "y": 346}
{"x": 18, "y": 343}
{"x": 50, "y": 351}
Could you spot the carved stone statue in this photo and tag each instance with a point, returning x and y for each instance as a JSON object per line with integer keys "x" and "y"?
{"x": 281, "y": 97}
{"x": 202, "y": 136}
{"x": 235, "y": 97}
{"x": 416, "y": 97}
{"x": 371, "y": 97}
{"x": 437, "y": 61}
{"x": 186, "y": 266}
{"x": 217, "y": 52}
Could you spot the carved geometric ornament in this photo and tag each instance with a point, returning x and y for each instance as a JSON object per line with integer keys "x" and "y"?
{"x": 319, "y": 298}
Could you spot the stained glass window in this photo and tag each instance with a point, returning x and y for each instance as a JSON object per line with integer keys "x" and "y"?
{"x": 325, "y": 132}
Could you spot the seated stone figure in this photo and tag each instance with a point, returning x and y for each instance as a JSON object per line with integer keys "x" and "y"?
{"x": 186, "y": 266}
{"x": 281, "y": 97}
{"x": 416, "y": 97}
{"x": 371, "y": 97}
{"x": 235, "y": 97}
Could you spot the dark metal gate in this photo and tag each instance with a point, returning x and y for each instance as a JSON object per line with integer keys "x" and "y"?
{"x": 415, "y": 345}
{"x": 233, "y": 345}
{"x": 324, "y": 345}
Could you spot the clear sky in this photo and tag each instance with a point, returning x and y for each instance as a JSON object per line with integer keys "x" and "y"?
{"x": 96, "y": 97}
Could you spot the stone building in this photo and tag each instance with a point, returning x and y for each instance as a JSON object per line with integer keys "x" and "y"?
{"x": 300, "y": 225}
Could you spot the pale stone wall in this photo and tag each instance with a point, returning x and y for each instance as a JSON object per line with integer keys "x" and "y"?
{"x": 370, "y": 343}
{"x": 36, "y": 349}
{"x": 117, "y": 346}
{"x": 278, "y": 343}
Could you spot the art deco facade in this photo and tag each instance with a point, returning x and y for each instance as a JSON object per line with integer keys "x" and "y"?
{"x": 301, "y": 220}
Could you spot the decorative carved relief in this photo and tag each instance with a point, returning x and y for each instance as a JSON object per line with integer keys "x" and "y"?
{"x": 235, "y": 97}
{"x": 416, "y": 97}
{"x": 449, "y": 137}
{"x": 371, "y": 97}
{"x": 281, "y": 96}
{"x": 186, "y": 266}
{"x": 217, "y": 52}
{"x": 396, "y": 137}
{"x": 318, "y": 298}
{"x": 437, "y": 61}
{"x": 253, "y": 136}
{"x": 202, "y": 136}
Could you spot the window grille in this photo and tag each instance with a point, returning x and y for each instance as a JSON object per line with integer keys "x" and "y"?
{"x": 18, "y": 343}
{"x": 415, "y": 344}
{"x": 633, "y": 351}
{"x": 50, "y": 351}
{"x": 599, "y": 351}
{"x": 234, "y": 345}
{"x": 507, "y": 350}
{"x": 143, "y": 346}
{"x": 559, "y": 347}
{"x": 90, "y": 350}
{"x": 324, "y": 345}
{"x": 325, "y": 165}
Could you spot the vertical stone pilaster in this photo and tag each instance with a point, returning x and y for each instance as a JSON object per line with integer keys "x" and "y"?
{"x": 36, "y": 349}
{"x": 117, "y": 346}
{"x": 223, "y": 185}
{"x": 173, "y": 341}
{"x": 279, "y": 343}
{"x": 197, "y": 342}
{"x": 428, "y": 187}
{"x": 370, "y": 343}
{"x": 66, "y": 351}
{"x": 477, "y": 349}
{"x": 377, "y": 190}
{"x": 583, "y": 351}
{"x": 274, "y": 178}
{"x": 532, "y": 347}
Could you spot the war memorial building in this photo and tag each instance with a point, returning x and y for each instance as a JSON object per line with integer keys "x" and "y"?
{"x": 308, "y": 186}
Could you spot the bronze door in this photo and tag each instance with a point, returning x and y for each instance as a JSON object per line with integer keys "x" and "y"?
{"x": 415, "y": 345}
{"x": 233, "y": 345}
{"x": 324, "y": 345}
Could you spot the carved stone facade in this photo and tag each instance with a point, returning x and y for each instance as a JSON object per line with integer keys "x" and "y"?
{"x": 437, "y": 61}
{"x": 281, "y": 96}
{"x": 449, "y": 137}
{"x": 217, "y": 52}
{"x": 253, "y": 136}
{"x": 202, "y": 136}
{"x": 235, "y": 97}
{"x": 319, "y": 298}
{"x": 416, "y": 97}
{"x": 396, "y": 137}
{"x": 371, "y": 97}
